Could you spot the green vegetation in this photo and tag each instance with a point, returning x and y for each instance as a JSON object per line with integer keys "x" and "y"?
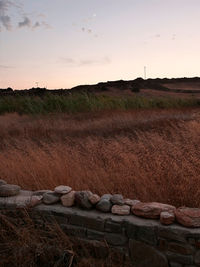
{"x": 85, "y": 103}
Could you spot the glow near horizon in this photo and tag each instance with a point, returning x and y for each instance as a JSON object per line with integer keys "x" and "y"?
{"x": 88, "y": 41}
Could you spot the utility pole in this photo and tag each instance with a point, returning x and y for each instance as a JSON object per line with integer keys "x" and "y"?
{"x": 145, "y": 72}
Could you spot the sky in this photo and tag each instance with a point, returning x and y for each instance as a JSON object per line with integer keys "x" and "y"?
{"x": 64, "y": 43}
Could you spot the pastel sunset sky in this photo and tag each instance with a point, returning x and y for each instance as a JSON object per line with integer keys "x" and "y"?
{"x": 63, "y": 43}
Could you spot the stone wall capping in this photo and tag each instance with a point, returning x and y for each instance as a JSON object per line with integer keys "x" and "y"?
{"x": 168, "y": 235}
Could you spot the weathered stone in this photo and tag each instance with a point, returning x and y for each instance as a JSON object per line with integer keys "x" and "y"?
{"x": 189, "y": 217}
{"x": 131, "y": 202}
{"x": 73, "y": 230}
{"x": 50, "y": 198}
{"x": 35, "y": 200}
{"x": 94, "y": 199}
{"x": 172, "y": 233}
{"x": 106, "y": 196}
{"x": 167, "y": 218}
{"x": 121, "y": 210}
{"x": 144, "y": 255}
{"x": 151, "y": 210}
{"x": 147, "y": 234}
{"x": 104, "y": 205}
{"x": 82, "y": 199}
{"x": 95, "y": 235}
{"x": 175, "y": 264}
{"x": 2, "y": 182}
{"x": 117, "y": 199}
{"x": 62, "y": 189}
{"x": 197, "y": 258}
{"x": 113, "y": 227}
{"x": 184, "y": 259}
{"x": 68, "y": 200}
{"x": 95, "y": 223}
{"x": 184, "y": 249}
{"x": 7, "y": 190}
{"x": 41, "y": 192}
{"x": 115, "y": 239}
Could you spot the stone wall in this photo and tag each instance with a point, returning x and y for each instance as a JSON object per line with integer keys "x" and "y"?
{"x": 146, "y": 241}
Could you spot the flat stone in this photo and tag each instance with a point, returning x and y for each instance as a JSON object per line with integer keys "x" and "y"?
{"x": 94, "y": 199}
{"x": 2, "y": 182}
{"x": 197, "y": 258}
{"x": 104, "y": 205}
{"x": 7, "y": 190}
{"x": 115, "y": 239}
{"x": 189, "y": 217}
{"x": 183, "y": 259}
{"x": 41, "y": 192}
{"x": 50, "y": 198}
{"x": 151, "y": 210}
{"x": 35, "y": 200}
{"x": 143, "y": 255}
{"x": 117, "y": 199}
{"x": 167, "y": 218}
{"x": 121, "y": 210}
{"x": 68, "y": 200}
{"x": 184, "y": 249}
{"x": 62, "y": 189}
{"x": 131, "y": 202}
{"x": 82, "y": 199}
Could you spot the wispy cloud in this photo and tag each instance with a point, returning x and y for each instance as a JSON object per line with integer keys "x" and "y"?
{"x": 10, "y": 7}
{"x": 84, "y": 62}
{"x": 6, "y": 67}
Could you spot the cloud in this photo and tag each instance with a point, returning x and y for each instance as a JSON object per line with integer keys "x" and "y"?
{"x": 5, "y": 19}
{"x": 6, "y": 67}
{"x": 10, "y": 7}
{"x": 84, "y": 62}
{"x": 25, "y": 23}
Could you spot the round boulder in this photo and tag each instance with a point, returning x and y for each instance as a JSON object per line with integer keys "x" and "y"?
{"x": 8, "y": 190}
{"x": 50, "y": 198}
{"x": 104, "y": 205}
{"x": 189, "y": 217}
{"x": 2, "y": 182}
{"x": 68, "y": 200}
{"x": 62, "y": 189}
{"x": 82, "y": 199}
{"x": 117, "y": 199}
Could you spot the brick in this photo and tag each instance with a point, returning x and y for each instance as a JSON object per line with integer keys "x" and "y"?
{"x": 113, "y": 227}
{"x": 95, "y": 235}
{"x": 184, "y": 259}
{"x": 184, "y": 249}
{"x": 90, "y": 223}
{"x": 145, "y": 255}
{"x": 72, "y": 230}
{"x": 115, "y": 239}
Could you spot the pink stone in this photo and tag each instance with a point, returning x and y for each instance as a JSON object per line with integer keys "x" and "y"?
{"x": 167, "y": 217}
{"x": 189, "y": 217}
{"x": 68, "y": 200}
{"x": 131, "y": 202}
{"x": 151, "y": 210}
{"x": 35, "y": 200}
{"x": 121, "y": 209}
{"x": 94, "y": 199}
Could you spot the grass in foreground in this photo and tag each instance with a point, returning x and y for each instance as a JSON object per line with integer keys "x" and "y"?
{"x": 75, "y": 103}
{"x": 24, "y": 243}
{"x": 151, "y": 155}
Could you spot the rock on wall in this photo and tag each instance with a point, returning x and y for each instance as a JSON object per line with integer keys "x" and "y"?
{"x": 146, "y": 241}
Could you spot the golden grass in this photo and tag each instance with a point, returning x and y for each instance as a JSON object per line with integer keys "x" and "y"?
{"x": 150, "y": 155}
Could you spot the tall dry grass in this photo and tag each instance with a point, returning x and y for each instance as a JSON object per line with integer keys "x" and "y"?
{"x": 150, "y": 155}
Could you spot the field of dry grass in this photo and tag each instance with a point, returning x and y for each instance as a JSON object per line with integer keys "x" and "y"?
{"x": 151, "y": 155}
